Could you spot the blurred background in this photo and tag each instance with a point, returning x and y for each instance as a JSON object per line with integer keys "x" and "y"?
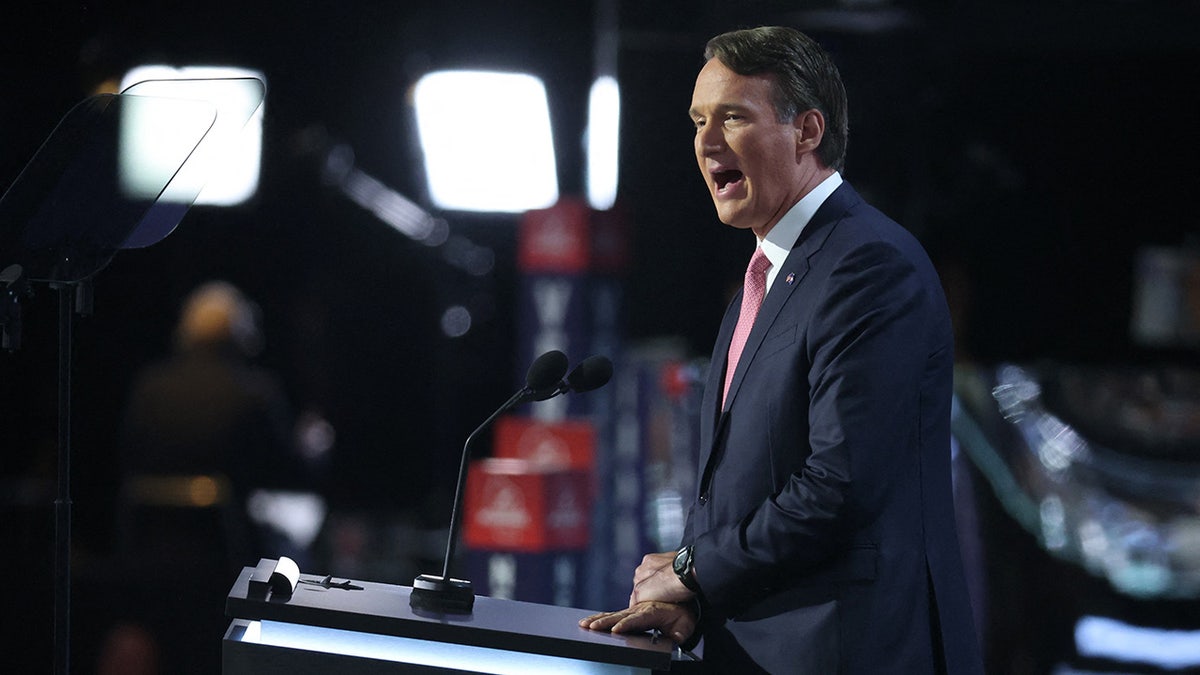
{"x": 1043, "y": 152}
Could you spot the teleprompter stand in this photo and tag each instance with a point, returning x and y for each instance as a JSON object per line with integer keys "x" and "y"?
{"x": 93, "y": 188}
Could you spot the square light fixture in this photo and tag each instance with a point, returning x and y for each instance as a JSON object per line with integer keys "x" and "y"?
{"x": 486, "y": 140}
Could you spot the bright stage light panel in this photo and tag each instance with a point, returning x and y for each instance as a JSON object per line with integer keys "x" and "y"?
{"x": 604, "y": 129}
{"x": 486, "y": 140}
{"x": 230, "y": 175}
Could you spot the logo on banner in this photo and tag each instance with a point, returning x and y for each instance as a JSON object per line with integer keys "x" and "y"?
{"x": 565, "y": 574}
{"x": 551, "y": 301}
{"x": 555, "y": 239}
{"x": 503, "y": 507}
{"x": 502, "y": 575}
{"x": 544, "y": 447}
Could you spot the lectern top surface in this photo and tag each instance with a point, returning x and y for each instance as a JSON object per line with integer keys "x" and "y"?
{"x": 496, "y": 623}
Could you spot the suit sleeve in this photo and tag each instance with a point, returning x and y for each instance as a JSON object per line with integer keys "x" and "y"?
{"x": 859, "y": 366}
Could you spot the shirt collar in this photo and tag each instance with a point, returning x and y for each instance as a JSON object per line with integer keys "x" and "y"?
{"x": 779, "y": 241}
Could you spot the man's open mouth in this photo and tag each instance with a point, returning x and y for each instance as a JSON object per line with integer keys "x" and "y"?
{"x": 723, "y": 179}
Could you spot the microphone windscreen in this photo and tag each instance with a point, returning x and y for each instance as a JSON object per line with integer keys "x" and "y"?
{"x": 592, "y": 373}
{"x": 546, "y": 371}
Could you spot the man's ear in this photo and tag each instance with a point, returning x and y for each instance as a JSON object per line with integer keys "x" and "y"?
{"x": 810, "y": 129}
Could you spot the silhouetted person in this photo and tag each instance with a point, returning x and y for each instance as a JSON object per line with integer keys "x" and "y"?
{"x": 202, "y": 429}
{"x": 207, "y": 410}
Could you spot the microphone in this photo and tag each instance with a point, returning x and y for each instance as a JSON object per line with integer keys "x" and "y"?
{"x": 592, "y": 373}
{"x": 545, "y": 374}
{"x": 443, "y": 594}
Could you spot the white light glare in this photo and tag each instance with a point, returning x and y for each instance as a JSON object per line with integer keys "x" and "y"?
{"x": 604, "y": 127}
{"x": 1101, "y": 637}
{"x": 230, "y": 176}
{"x": 487, "y": 141}
{"x": 437, "y": 655}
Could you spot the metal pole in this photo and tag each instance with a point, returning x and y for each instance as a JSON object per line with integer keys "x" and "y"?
{"x": 62, "y": 505}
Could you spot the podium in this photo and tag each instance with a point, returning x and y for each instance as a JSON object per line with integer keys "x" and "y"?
{"x": 370, "y": 629}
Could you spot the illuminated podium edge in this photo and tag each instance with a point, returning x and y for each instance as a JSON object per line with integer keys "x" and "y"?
{"x": 508, "y": 625}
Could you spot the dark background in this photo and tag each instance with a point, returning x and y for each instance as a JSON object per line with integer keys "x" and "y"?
{"x": 1034, "y": 145}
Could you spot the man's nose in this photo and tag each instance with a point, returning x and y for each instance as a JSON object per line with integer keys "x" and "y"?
{"x": 709, "y": 140}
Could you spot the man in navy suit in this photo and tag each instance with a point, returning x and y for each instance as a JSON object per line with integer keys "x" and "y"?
{"x": 821, "y": 538}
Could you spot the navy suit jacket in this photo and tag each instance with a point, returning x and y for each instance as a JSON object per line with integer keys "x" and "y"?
{"x": 823, "y": 523}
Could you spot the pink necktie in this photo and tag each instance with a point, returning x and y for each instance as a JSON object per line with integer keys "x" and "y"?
{"x": 753, "y": 290}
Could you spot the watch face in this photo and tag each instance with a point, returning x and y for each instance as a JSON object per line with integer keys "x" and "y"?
{"x": 682, "y": 560}
{"x": 683, "y": 568}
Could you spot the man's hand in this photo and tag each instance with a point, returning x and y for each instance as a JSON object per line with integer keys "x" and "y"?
{"x": 675, "y": 621}
{"x": 655, "y": 580}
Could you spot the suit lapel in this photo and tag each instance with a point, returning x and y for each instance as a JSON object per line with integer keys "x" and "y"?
{"x": 712, "y": 418}
{"x": 710, "y": 412}
{"x": 795, "y": 268}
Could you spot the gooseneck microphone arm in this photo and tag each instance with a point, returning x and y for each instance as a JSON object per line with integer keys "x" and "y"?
{"x": 456, "y": 595}
{"x": 455, "y": 517}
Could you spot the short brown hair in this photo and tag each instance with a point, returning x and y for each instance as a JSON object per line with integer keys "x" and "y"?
{"x": 804, "y": 74}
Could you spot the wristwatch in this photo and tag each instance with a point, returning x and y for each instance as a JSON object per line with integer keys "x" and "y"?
{"x": 685, "y": 569}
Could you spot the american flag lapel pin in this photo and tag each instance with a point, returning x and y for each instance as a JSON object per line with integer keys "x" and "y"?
{"x": 791, "y": 278}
